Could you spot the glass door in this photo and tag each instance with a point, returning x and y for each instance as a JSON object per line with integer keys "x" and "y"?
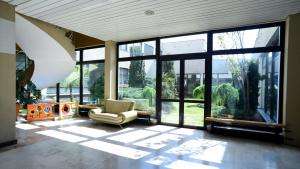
{"x": 182, "y": 92}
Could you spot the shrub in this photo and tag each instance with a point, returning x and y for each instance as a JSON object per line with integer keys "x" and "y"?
{"x": 198, "y": 92}
{"x": 225, "y": 95}
{"x": 149, "y": 93}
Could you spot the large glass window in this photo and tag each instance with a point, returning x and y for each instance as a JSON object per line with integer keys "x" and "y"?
{"x": 137, "y": 81}
{"x": 49, "y": 94}
{"x": 93, "y": 83}
{"x": 69, "y": 88}
{"x": 137, "y": 49}
{"x": 94, "y": 54}
{"x": 184, "y": 44}
{"x": 253, "y": 38}
{"x": 246, "y": 86}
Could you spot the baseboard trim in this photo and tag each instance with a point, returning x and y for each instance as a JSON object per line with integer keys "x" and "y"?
{"x": 8, "y": 143}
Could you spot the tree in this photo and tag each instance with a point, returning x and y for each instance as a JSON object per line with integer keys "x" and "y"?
{"x": 198, "y": 92}
{"x": 71, "y": 81}
{"x": 137, "y": 74}
{"x": 96, "y": 82}
{"x": 244, "y": 72}
{"x": 168, "y": 79}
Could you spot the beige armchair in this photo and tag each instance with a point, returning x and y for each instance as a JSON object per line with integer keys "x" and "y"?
{"x": 114, "y": 112}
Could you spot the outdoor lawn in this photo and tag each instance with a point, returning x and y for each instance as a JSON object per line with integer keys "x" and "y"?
{"x": 193, "y": 113}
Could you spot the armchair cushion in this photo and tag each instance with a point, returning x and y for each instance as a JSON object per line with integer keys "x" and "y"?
{"x": 117, "y": 106}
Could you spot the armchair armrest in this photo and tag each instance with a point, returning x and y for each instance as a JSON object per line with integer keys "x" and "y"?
{"x": 128, "y": 115}
{"x": 96, "y": 111}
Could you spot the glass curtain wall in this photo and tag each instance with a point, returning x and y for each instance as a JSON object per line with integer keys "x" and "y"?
{"x": 231, "y": 73}
{"x": 89, "y": 68}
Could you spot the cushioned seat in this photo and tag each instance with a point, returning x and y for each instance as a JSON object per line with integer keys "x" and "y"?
{"x": 115, "y": 112}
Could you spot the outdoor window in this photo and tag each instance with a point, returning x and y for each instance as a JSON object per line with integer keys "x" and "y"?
{"x": 69, "y": 87}
{"x": 77, "y": 56}
{"x": 246, "y": 86}
{"x": 93, "y": 83}
{"x": 94, "y": 54}
{"x": 264, "y": 37}
{"x": 184, "y": 44}
{"x": 137, "y": 81}
{"x": 49, "y": 94}
{"x": 137, "y": 49}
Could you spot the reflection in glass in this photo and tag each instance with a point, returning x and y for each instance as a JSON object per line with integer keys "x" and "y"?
{"x": 93, "y": 83}
{"x": 264, "y": 37}
{"x": 194, "y": 77}
{"x": 137, "y": 49}
{"x": 246, "y": 86}
{"x": 170, "y": 112}
{"x": 184, "y": 44}
{"x": 137, "y": 81}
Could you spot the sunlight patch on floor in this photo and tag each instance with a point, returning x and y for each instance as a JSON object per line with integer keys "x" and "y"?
{"x": 184, "y": 131}
{"x": 161, "y": 128}
{"x": 90, "y": 132}
{"x": 201, "y": 149}
{"x": 133, "y": 136}
{"x": 115, "y": 149}
{"x": 59, "y": 123}
{"x": 159, "y": 141}
{"x": 159, "y": 160}
{"x": 62, "y": 136}
{"x": 26, "y": 126}
{"x": 180, "y": 164}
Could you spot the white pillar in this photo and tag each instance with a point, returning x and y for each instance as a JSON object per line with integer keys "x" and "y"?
{"x": 291, "y": 115}
{"x": 110, "y": 82}
{"x": 7, "y": 74}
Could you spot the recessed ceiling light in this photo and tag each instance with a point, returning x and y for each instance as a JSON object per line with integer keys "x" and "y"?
{"x": 149, "y": 12}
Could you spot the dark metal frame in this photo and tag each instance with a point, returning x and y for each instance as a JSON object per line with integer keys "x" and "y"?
{"x": 81, "y": 63}
{"x": 208, "y": 65}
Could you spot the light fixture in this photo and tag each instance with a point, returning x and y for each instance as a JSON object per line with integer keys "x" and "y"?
{"x": 149, "y": 12}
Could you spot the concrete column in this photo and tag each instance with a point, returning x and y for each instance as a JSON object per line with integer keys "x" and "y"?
{"x": 291, "y": 109}
{"x": 7, "y": 75}
{"x": 110, "y": 82}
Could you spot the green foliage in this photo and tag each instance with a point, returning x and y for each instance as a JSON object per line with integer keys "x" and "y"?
{"x": 168, "y": 79}
{"x": 135, "y": 93}
{"x": 254, "y": 78}
{"x": 137, "y": 74}
{"x": 225, "y": 95}
{"x": 168, "y": 86}
{"x": 96, "y": 82}
{"x": 198, "y": 92}
{"x": 149, "y": 93}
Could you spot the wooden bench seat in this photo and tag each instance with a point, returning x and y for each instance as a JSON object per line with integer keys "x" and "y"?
{"x": 256, "y": 125}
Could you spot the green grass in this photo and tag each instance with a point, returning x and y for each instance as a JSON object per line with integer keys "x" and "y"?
{"x": 193, "y": 114}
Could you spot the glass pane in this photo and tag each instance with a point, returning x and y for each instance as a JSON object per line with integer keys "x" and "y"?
{"x": 137, "y": 49}
{"x": 137, "y": 81}
{"x": 194, "y": 79}
{"x": 184, "y": 44}
{"x": 49, "y": 94}
{"x": 246, "y": 86}
{"x": 246, "y": 39}
{"x": 194, "y": 114}
{"x": 69, "y": 88}
{"x": 93, "y": 83}
{"x": 94, "y": 54}
{"x": 170, "y": 112}
{"x": 77, "y": 56}
{"x": 170, "y": 79}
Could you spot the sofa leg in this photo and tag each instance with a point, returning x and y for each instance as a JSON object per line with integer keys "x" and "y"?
{"x": 120, "y": 126}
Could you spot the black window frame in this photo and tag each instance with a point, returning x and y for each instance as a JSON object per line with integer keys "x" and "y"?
{"x": 81, "y": 63}
{"x": 208, "y": 61}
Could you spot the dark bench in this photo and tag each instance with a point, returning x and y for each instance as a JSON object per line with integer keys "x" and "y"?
{"x": 246, "y": 124}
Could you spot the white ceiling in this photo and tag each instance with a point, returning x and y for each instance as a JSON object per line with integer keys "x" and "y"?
{"x": 122, "y": 20}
